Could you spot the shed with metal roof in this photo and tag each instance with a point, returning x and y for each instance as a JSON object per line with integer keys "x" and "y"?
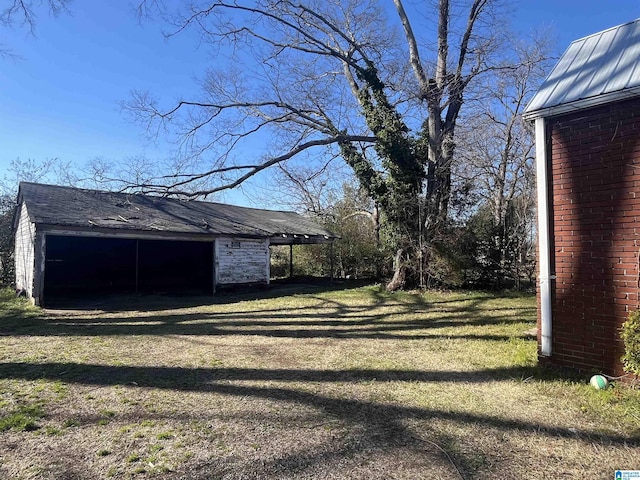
{"x": 587, "y": 124}
{"x": 72, "y": 241}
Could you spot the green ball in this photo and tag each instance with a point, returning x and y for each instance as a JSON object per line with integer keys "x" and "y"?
{"x": 598, "y": 382}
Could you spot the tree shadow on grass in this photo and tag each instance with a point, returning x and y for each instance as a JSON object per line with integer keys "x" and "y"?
{"x": 381, "y": 426}
{"x": 315, "y": 327}
{"x": 195, "y": 379}
{"x": 343, "y": 330}
{"x": 123, "y": 302}
{"x": 153, "y": 302}
{"x": 403, "y": 317}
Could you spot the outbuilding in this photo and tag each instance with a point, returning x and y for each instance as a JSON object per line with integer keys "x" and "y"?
{"x": 71, "y": 241}
{"x": 587, "y": 124}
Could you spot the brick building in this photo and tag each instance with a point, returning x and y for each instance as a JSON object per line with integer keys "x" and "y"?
{"x": 587, "y": 121}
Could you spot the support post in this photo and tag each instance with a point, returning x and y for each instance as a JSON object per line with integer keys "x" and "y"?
{"x": 213, "y": 268}
{"x": 291, "y": 260}
{"x": 39, "y": 268}
{"x": 137, "y": 268}
{"x": 331, "y": 261}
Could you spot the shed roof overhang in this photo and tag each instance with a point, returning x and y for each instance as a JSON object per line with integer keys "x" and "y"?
{"x": 284, "y": 239}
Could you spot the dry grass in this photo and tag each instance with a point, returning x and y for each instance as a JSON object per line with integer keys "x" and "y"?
{"x": 352, "y": 383}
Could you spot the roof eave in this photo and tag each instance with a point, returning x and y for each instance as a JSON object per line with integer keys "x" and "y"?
{"x": 582, "y": 104}
{"x": 288, "y": 239}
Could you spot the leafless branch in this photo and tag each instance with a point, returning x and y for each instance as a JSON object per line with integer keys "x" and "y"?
{"x": 174, "y": 188}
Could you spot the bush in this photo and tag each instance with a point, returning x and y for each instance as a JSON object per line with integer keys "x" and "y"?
{"x": 631, "y": 337}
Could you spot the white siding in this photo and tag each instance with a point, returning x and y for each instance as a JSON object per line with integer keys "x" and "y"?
{"x": 25, "y": 252}
{"x": 241, "y": 260}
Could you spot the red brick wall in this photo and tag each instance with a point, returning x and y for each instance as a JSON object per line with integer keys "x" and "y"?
{"x": 594, "y": 167}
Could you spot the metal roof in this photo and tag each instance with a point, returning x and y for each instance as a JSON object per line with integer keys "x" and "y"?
{"x": 54, "y": 205}
{"x": 594, "y": 70}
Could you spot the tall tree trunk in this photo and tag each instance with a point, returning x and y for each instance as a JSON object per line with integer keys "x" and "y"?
{"x": 399, "y": 279}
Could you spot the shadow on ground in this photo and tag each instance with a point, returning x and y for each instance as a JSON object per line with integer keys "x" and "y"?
{"x": 399, "y": 319}
{"x": 384, "y": 426}
{"x": 381, "y": 427}
{"x": 121, "y": 302}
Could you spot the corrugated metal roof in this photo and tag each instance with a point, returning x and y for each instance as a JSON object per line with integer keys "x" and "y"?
{"x": 75, "y": 207}
{"x": 596, "y": 69}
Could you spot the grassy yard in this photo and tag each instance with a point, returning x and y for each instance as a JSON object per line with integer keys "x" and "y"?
{"x": 352, "y": 383}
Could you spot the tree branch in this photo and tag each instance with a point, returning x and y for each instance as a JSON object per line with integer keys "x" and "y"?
{"x": 253, "y": 169}
{"x": 414, "y": 53}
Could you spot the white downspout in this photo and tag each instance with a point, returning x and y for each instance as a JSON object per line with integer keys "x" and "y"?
{"x": 543, "y": 238}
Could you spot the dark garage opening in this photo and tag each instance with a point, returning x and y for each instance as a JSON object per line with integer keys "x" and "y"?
{"x": 96, "y": 265}
{"x": 170, "y": 266}
{"x": 87, "y": 264}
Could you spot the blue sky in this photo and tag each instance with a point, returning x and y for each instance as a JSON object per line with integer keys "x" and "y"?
{"x": 61, "y": 98}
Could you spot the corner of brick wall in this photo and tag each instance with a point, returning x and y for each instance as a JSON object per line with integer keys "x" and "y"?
{"x": 595, "y": 196}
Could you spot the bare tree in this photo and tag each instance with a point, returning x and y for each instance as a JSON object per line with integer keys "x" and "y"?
{"x": 496, "y": 153}
{"x": 23, "y": 14}
{"x": 28, "y": 170}
{"x": 18, "y": 170}
{"x": 337, "y": 75}
{"x": 308, "y": 189}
